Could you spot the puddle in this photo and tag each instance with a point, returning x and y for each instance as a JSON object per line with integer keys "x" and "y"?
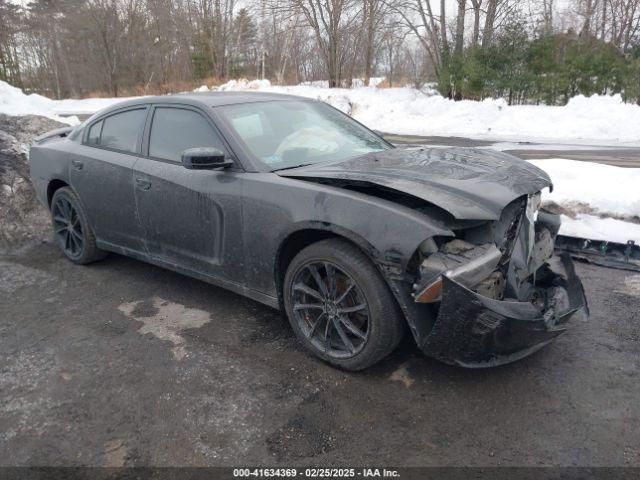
{"x": 402, "y": 375}
{"x": 115, "y": 453}
{"x": 631, "y": 286}
{"x": 166, "y": 320}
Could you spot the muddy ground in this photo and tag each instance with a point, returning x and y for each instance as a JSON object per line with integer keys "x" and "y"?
{"x": 123, "y": 363}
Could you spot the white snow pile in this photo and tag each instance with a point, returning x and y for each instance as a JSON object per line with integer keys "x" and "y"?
{"x": 87, "y": 106}
{"x": 604, "y": 120}
{"x": 241, "y": 85}
{"x": 356, "y": 82}
{"x": 596, "y": 228}
{"x": 599, "y": 202}
{"x": 14, "y": 101}
{"x": 597, "y": 120}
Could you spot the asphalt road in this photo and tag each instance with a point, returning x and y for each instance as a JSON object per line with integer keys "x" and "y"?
{"x": 123, "y": 363}
{"x": 617, "y": 156}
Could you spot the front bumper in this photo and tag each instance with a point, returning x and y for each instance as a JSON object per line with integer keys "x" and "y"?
{"x": 475, "y": 331}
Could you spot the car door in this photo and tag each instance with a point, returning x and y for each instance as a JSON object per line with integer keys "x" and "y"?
{"x": 191, "y": 218}
{"x": 102, "y": 175}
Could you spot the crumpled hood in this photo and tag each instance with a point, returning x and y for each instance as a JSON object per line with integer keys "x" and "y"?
{"x": 468, "y": 183}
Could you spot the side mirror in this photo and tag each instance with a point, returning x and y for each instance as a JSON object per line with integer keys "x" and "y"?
{"x": 205, "y": 158}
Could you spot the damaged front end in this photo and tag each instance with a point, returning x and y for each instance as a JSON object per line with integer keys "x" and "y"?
{"x": 497, "y": 290}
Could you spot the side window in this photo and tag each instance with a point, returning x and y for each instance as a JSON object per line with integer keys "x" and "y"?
{"x": 94, "y": 133}
{"x": 173, "y": 130}
{"x": 122, "y": 130}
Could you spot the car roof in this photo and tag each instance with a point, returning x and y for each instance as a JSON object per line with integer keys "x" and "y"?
{"x": 197, "y": 99}
{"x": 230, "y": 98}
{"x": 208, "y": 99}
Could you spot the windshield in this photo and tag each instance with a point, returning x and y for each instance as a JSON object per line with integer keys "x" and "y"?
{"x": 286, "y": 134}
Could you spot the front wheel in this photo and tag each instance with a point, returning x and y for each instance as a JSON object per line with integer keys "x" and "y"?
{"x": 340, "y": 307}
{"x": 71, "y": 230}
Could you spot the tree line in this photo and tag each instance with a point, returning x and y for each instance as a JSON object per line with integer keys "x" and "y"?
{"x": 525, "y": 51}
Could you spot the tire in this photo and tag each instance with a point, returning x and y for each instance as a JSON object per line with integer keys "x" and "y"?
{"x": 71, "y": 230}
{"x": 342, "y": 270}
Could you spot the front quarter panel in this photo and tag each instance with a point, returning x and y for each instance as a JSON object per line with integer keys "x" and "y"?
{"x": 275, "y": 207}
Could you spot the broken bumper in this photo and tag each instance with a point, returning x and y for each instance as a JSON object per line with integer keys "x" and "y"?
{"x": 476, "y": 331}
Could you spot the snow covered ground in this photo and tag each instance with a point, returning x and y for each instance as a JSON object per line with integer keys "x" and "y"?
{"x": 601, "y": 202}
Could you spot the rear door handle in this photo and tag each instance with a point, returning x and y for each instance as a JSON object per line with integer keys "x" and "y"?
{"x": 77, "y": 164}
{"x": 143, "y": 184}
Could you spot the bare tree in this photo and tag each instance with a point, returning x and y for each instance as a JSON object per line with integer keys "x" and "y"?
{"x": 9, "y": 61}
{"x": 547, "y": 16}
{"x": 625, "y": 22}
{"x": 418, "y": 17}
{"x": 443, "y": 31}
{"x": 489, "y": 22}
{"x": 373, "y": 15}
{"x": 331, "y": 21}
{"x": 588, "y": 10}
{"x": 459, "y": 41}
{"x": 477, "y": 5}
{"x": 116, "y": 47}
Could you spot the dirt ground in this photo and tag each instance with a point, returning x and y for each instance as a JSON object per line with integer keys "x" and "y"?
{"x": 123, "y": 363}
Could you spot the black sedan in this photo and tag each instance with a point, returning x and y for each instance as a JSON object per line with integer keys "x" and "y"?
{"x": 294, "y": 204}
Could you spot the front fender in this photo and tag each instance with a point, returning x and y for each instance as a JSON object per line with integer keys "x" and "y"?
{"x": 389, "y": 233}
{"x": 275, "y": 207}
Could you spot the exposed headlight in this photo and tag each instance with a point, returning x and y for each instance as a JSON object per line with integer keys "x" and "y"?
{"x": 463, "y": 262}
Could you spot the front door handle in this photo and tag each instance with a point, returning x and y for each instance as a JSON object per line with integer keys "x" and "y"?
{"x": 143, "y": 184}
{"x": 77, "y": 164}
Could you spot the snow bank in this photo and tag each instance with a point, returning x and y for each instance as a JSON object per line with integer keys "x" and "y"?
{"x": 594, "y": 120}
{"x": 87, "y": 106}
{"x": 590, "y": 192}
{"x": 607, "y": 189}
{"x": 243, "y": 84}
{"x": 596, "y": 228}
{"x": 14, "y": 101}
{"x": 597, "y": 120}
{"x": 356, "y": 82}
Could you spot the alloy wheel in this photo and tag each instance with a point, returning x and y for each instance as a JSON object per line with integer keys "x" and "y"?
{"x": 67, "y": 228}
{"x": 330, "y": 309}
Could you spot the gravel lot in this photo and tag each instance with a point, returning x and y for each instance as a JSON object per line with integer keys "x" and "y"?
{"x": 123, "y": 363}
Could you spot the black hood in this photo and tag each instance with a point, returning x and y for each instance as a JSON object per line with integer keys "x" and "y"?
{"x": 468, "y": 183}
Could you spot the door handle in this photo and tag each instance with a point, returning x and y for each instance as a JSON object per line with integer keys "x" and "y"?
{"x": 143, "y": 184}
{"x": 77, "y": 164}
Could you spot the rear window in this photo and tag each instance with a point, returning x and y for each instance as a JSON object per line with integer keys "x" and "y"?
{"x": 94, "y": 133}
{"x": 121, "y": 131}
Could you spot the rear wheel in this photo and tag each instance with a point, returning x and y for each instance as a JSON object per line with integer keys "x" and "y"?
{"x": 340, "y": 307}
{"x": 71, "y": 230}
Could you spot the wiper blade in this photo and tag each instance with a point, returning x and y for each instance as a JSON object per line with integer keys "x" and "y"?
{"x": 290, "y": 168}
